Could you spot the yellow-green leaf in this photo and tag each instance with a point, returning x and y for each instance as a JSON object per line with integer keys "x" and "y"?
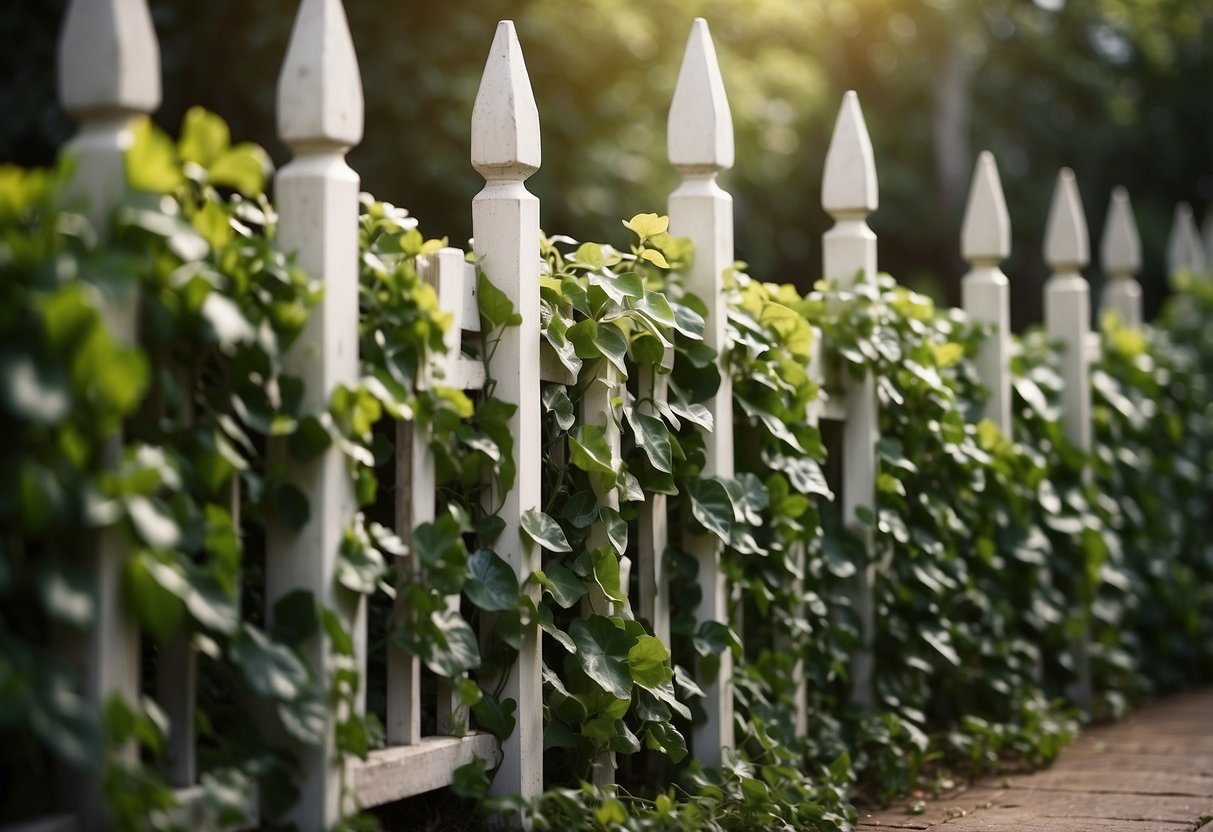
{"x": 204, "y": 136}
{"x": 646, "y": 225}
{"x": 151, "y": 160}
{"x": 655, "y": 257}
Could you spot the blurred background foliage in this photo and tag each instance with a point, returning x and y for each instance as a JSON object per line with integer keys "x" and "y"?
{"x": 1119, "y": 90}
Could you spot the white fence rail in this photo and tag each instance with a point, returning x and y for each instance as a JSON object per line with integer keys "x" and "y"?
{"x": 109, "y": 72}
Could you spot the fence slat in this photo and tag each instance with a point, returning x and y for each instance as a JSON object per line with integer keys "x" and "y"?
{"x": 849, "y": 194}
{"x": 985, "y": 241}
{"x": 505, "y": 225}
{"x": 320, "y": 116}
{"x": 653, "y": 532}
{"x": 598, "y": 408}
{"x": 1120, "y": 256}
{"x": 700, "y": 144}
{"x": 1185, "y": 252}
{"x": 109, "y": 72}
{"x": 1068, "y": 320}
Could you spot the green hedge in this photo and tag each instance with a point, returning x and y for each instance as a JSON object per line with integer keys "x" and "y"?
{"x": 996, "y": 554}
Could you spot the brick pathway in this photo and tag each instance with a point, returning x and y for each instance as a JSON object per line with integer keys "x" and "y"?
{"x": 1151, "y": 773}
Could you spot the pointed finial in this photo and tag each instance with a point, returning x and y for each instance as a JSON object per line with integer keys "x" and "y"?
{"x": 109, "y": 58}
{"x": 1067, "y": 242}
{"x": 985, "y": 235}
{"x": 1120, "y": 247}
{"x": 849, "y": 183}
{"x": 1184, "y": 250}
{"x": 505, "y": 120}
{"x": 700, "y": 132}
{"x": 320, "y": 88}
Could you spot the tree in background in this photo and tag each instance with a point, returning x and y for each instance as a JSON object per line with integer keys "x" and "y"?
{"x": 1119, "y": 90}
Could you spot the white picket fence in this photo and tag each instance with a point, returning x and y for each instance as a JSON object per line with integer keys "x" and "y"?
{"x": 109, "y": 73}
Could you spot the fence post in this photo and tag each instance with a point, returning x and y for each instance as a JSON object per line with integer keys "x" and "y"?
{"x": 700, "y": 145}
{"x": 505, "y": 225}
{"x": 1185, "y": 253}
{"x": 1120, "y": 256}
{"x": 109, "y": 72}
{"x": 848, "y": 195}
{"x": 1068, "y": 320}
{"x": 985, "y": 241}
{"x": 320, "y": 116}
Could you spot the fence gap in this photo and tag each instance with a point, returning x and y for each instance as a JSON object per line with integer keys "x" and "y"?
{"x": 849, "y": 194}
{"x": 1068, "y": 321}
{"x": 505, "y": 226}
{"x": 985, "y": 241}
{"x": 320, "y": 116}
{"x": 700, "y": 145}
{"x": 1120, "y": 256}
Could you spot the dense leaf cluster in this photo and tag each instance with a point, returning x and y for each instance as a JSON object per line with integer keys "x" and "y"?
{"x": 147, "y": 393}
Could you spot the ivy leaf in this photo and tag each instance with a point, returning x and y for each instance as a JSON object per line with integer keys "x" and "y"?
{"x": 606, "y": 574}
{"x": 556, "y": 401}
{"x": 271, "y": 670}
{"x": 496, "y": 717}
{"x": 602, "y": 652}
{"x": 454, "y": 650}
{"x": 491, "y": 584}
{"x": 495, "y": 306}
{"x": 647, "y": 660}
{"x": 590, "y": 452}
{"x": 204, "y": 136}
{"x": 711, "y": 506}
{"x": 654, "y": 437}
{"x": 613, "y": 346}
{"x": 243, "y": 168}
{"x": 565, "y": 588}
{"x": 647, "y": 225}
{"x": 942, "y": 642}
{"x": 545, "y": 531}
{"x": 548, "y": 624}
{"x": 151, "y": 160}
{"x": 616, "y": 529}
{"x": 581, "y": 509}
{"x": 305, "y": 718}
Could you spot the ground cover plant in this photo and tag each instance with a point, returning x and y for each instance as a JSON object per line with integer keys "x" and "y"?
{"x": 998, "y": 558}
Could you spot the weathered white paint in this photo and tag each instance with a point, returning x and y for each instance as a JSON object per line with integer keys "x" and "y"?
{"x": 505, "y": 225}
{"x": 985, "y": 241}
{"x": 319, "y": 117}
{"x": 1120, "y": 256}
{"x": 700, "y": 210}
{"x": 1068, "y": 303}
{"x": 1068, "y": 320}
{"x": 403, "y": 771}
{"x": 109, "y": 72}
{"x": 849, "y": 194}
{"x": 1185, "y": 252}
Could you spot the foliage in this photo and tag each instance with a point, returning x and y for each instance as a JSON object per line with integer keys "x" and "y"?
{"x": 997, "y": 560}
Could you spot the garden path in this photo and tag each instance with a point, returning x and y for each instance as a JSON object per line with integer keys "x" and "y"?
{"x": 1151, "y": 773}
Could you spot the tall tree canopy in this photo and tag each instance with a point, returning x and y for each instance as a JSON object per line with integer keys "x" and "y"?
{"x": 1119, "y": 90}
